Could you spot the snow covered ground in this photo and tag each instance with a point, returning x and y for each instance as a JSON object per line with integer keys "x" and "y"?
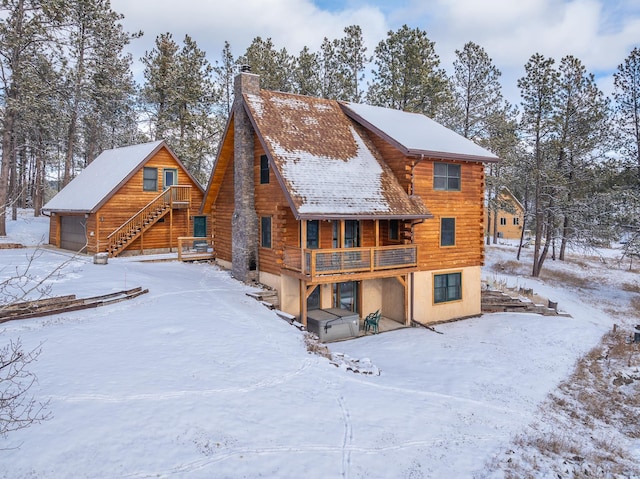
{"x": 195, "y": 379}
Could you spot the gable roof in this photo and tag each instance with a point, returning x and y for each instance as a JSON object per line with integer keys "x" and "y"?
{"x": 324, "y": 161}
{"x": 88, "y": 191}
{"x": 417, "y": 134}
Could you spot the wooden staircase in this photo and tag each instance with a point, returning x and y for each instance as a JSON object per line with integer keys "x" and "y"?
{"x": 173, "y": 197}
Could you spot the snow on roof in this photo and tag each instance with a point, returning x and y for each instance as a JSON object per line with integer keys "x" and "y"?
{"x": 98, "y": 180}
{"x": 417, "y": 133}
{"x": 327, "y": 166}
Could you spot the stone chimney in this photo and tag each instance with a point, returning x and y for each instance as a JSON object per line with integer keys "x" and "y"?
{"x": 244, "y": 224}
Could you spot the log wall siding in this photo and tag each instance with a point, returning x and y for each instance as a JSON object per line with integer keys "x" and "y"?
{"x": 221, "y": 213}
{"x": 466, "y": 206}
{"x": 270, "y": 201}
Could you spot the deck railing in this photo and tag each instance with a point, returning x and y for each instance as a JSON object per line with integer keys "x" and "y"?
{"x": 193, "y": 248}
{"x": 321, "y": 262}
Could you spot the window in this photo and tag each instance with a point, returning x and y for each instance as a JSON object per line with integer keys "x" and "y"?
{"x": 394, "y": 230}
{"x": 351, "y": 234}
{"x": 313, "y": 234}
{"x": 516, "y": 221}
{"x": 150, "y": 179}
{"x": 446, "y": 176}
{"x": 503, "y": 221}
{"x": 265, "y": 231}
{"x": 447, "y": 287}
{"x": 264, "y": 170}
{"x": 447, "y": 232}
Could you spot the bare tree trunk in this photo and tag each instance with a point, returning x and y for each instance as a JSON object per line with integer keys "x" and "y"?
{"x": 565, "y": 237}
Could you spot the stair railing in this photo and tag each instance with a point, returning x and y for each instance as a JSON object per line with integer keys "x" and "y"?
{"x": 145, "y": 217}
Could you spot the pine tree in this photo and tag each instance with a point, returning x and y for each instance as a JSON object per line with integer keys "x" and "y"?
{"x": 627, "y": 109}
{"x": 408, "y": 74}
{"x": 274, "y": 67}
{"x": 181, "y": 98}
{"x": 157, "y": 92}
{"x": 353, "y": 60}
{"x": 537, "y": 91}
{"x": 24, "y": 32}
{"x": 580, "y": 128}
{"x": 94, "y": 42}
{"x": 329, "y": 64}
{"x": 306, "y": 78}
{"x": 224, "y": 72}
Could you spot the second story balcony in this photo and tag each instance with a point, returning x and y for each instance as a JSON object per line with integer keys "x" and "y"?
{"x": 331, "y": 265}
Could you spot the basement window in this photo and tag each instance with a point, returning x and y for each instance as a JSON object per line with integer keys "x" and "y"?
{"x": 447, "y": 287}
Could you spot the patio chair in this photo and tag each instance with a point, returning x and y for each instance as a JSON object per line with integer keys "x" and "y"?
{"x": 371, "y": 322}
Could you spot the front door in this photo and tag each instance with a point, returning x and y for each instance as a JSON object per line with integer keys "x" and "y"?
{"x": 345, "y": 296}
{"x": 200, "y": 226}
{"x": 170, "y": 177}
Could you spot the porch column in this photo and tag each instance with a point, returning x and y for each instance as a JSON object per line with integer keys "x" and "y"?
{"x": 303, "y": 303}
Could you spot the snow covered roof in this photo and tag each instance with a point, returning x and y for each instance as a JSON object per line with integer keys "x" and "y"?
{"x": 101, "y": 178}
{"x": 417, "y": 134}
{"x": 325, "y": 161}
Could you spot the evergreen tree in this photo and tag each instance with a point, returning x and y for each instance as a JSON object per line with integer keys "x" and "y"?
{"x": 627, "y": 110}
{"x": 408, "y": 75}
{"x": 181, "y": 98}
{"x": 329, "y": 66}
{"x": 94, "y": 42}
{"x": 537, "y": 91}
{"x": 195, "y": 101}
{"x": 306, "y": 78}
{"x": 353, "y": 60}
{"x": 224, "y": 72}
{"x": 24, "y": 33}
{"x": 580, "y": 129}
{"x": 157, "y": 93}
{"x": 274, "y": 67}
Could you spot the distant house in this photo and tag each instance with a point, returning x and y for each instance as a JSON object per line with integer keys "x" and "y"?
{"x": 508, "y": 219}
{"x": 131, "y": 200}
{"x": 349, "y": 206}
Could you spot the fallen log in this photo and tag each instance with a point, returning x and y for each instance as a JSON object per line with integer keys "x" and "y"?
{"x": 64, "y": 304}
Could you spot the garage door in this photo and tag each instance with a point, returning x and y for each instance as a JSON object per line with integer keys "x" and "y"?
{"x": 73, "y": 233}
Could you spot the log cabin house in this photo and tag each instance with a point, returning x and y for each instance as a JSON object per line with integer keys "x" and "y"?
{"x": 349, "y": 206}
{"x": 132, "y": 200}
{"x": 507, "y": 220}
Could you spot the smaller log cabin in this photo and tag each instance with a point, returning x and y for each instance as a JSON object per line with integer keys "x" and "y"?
{"x": 349, "y": 206}
{"x": 507, "y": 220}
{"x": 133, "y": 200}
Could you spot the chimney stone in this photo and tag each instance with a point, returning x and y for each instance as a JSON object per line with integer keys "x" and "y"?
{"x": 244, "y": 224}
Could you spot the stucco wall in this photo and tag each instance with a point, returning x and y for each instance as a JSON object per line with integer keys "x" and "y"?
{"x": 426, "y": 311}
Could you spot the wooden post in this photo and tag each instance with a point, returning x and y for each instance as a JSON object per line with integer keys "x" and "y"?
{"x": 303, "y": 303}
{"x": 171, "y": 230}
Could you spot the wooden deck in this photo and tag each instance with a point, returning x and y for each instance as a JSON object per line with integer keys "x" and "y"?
{"x": 330, "y": 265}
{"x": 192, "y": 248}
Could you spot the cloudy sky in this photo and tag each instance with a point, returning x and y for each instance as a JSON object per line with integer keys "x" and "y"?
{"x": 601, "y": 33}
